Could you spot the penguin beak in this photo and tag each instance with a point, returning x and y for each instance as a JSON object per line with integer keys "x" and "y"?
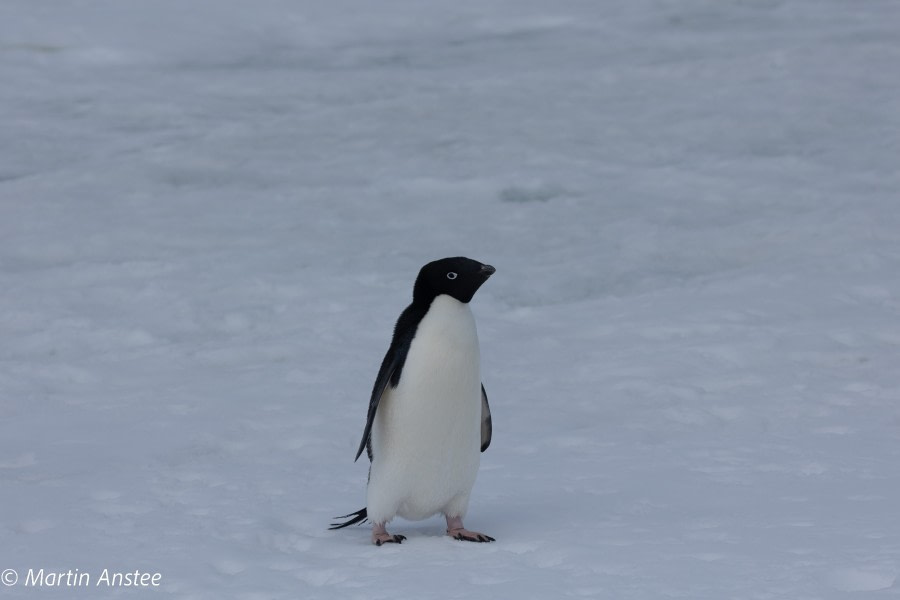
{"x": 487, "y": 270}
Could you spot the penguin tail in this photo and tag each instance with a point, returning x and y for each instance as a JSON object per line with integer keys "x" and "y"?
{"x": 359, "y": 516}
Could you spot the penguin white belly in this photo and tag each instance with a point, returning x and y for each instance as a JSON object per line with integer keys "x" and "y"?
{"x": 426, "y": 434}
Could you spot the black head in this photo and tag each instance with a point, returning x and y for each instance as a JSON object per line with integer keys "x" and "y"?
{"x": 457, "y": 277}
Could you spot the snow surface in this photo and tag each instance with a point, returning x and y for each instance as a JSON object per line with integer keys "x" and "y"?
{"x": 212, "y": 212}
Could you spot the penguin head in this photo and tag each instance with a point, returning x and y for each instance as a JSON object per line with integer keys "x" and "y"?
{"x": 458, "y": 277}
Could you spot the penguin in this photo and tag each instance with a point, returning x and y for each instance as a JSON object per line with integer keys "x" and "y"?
{"x": 429, "y": 417}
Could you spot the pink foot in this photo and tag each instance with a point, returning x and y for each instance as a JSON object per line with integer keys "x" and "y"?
{"x": 456, "y": 530}
{"x": 381, "y": 536}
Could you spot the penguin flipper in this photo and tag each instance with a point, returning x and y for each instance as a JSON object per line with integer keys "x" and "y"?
{"x": 391, "y": 366}
{"x": 381, "y": 384}
{"x": 486, "y": 425}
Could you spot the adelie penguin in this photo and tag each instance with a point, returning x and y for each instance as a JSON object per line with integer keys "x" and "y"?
{"x": 429, "y": 418}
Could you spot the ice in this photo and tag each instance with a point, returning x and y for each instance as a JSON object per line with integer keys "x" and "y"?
{"x": 211, "y": 214}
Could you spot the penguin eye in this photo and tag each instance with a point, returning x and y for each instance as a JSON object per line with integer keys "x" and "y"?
{"x": 451, "y": 275}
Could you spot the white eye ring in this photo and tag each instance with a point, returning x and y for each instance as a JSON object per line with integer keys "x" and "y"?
{"x": 451, "y": 275}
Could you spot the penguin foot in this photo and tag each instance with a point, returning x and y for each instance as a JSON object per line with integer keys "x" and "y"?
{"x": 381, "y": 536}
{"x": 386, "y": 538}
{"x": 465, "y": 535}
{"x": 456, "y": 530}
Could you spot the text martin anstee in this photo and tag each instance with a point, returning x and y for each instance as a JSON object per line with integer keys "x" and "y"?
{"x": 77, "y": 578}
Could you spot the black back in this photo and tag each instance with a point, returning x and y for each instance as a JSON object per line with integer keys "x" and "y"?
{"x": 457, "y": 277}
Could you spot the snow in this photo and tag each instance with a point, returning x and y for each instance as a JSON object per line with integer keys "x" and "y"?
{"x": 212, "y": 212}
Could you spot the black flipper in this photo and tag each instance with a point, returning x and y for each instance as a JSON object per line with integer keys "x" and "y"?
{"x": 392, "y": 366}
{"x": 486, "y": 425}
{"x": 359, "y": 516}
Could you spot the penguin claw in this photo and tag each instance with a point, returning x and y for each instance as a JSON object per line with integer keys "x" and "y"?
{"x": 386, "y": 538}
{"x": 465, "y": 535}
